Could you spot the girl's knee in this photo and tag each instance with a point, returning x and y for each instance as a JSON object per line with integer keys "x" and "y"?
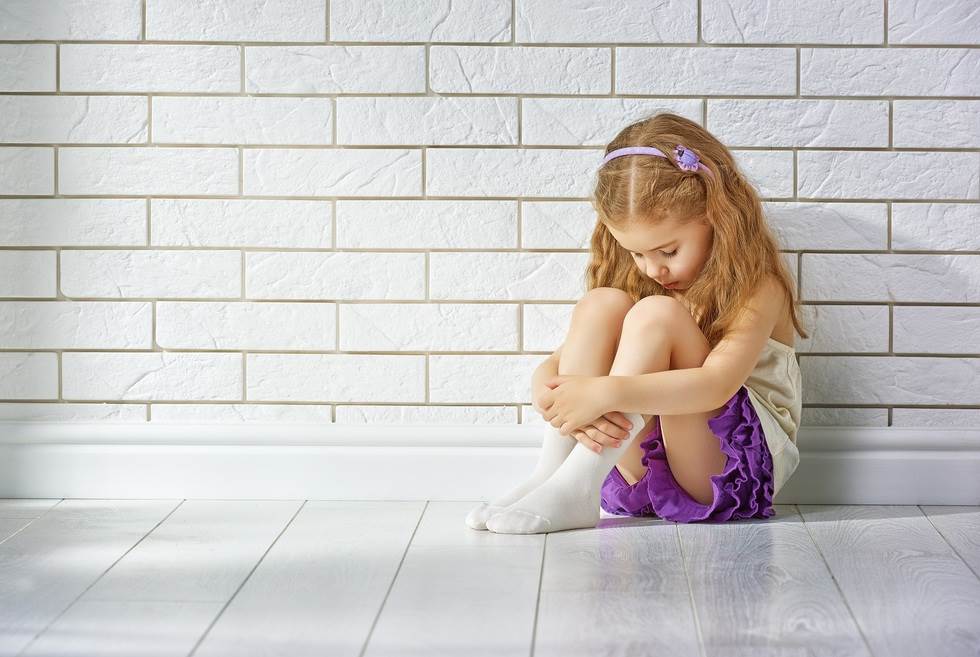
{"x": 655, "y": 309}
{"x": 608, "y": 301}
{"x": 608, "y": 294}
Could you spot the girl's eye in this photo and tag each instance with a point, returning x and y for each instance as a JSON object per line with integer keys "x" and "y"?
{"x": 666, "y": 255}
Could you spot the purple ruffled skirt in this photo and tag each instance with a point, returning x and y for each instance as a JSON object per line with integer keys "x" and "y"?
{"x": 744, "y": 489}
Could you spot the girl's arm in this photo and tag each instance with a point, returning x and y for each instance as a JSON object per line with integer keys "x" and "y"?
{"x": 724, "y": 370}
{"x": 670, "y": 392}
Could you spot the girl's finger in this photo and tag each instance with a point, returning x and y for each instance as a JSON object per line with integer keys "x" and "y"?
{"x": 613, "y": 430}
{"x": 604, "y": 436}
{"x": 583, "y": 438}
{"x": 619, "y": 420}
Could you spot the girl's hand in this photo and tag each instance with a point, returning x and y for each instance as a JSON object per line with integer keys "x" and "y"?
{"x": 538, "y": 393}
{"x": 577, "y": 401}
{"x": 610, "y": 430}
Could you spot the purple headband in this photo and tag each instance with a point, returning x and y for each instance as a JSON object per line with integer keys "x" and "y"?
{"x": 686, "y": 159}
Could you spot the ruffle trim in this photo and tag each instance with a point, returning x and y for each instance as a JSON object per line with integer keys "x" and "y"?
{"x": 744, "y": 489}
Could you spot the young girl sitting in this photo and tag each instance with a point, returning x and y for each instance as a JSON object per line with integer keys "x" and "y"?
{"x": 685, "y": 336}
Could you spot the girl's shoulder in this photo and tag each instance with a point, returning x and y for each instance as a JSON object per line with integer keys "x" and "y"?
{"x": 784, "y": 331}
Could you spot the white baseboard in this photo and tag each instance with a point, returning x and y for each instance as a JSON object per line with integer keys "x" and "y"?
{"x": 838, "y": 465}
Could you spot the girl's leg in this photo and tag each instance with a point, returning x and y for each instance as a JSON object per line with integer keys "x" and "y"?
{"x": 592, "y": 345}
{"x": 588, "y": 350}
{"x": 657, "y": 335}
{"x": 662, "y": 335}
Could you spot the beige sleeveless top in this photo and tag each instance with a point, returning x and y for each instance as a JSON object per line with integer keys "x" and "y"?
{"x": 775, "y": 389}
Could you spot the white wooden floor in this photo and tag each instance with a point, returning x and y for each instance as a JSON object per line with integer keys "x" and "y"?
{"x": 296, "y": 578}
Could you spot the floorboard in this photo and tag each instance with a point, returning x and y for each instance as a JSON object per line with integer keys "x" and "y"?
{"x": 214, "y": 578}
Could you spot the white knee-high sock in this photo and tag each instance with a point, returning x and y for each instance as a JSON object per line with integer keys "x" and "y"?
{"x": 569, "y": 498}
{"x": 554, "y": 448}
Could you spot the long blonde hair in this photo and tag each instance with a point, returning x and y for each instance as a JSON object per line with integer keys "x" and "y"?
{"x": 648, "y": 189}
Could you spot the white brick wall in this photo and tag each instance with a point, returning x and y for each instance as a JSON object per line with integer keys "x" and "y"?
{"x": 376, "y": 210}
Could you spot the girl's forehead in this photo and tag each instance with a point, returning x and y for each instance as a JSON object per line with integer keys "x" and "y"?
{"x": 647, "y": 235}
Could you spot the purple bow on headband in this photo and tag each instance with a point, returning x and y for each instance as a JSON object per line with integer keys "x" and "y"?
{"x": 685, "y": 158}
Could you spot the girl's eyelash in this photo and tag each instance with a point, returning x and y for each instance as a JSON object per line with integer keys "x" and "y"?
{"x": 666, "y": 255}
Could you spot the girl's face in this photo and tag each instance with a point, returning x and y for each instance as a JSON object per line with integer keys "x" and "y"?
{"x": 669, "y": 253}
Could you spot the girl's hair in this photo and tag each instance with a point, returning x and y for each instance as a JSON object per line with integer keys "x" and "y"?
{"x": 646, "y": 189}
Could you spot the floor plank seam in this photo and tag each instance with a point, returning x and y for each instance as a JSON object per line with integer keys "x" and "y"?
{"x": 96, "y": 580}
{"x": 946, "y": 540}
{"x": 833, "y": 578}
{"x": 217, "y": 616}
{"x": 690, "y": 592}
{"x": 537, "y": 603}
{"x": 394, "y": 578}
{"x": 32, "y": 521}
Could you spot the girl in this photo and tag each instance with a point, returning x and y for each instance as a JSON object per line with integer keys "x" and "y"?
{"x": 685, "y": 335}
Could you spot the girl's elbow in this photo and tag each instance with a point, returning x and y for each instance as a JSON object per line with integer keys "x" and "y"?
{"x": 723, "y": 391}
